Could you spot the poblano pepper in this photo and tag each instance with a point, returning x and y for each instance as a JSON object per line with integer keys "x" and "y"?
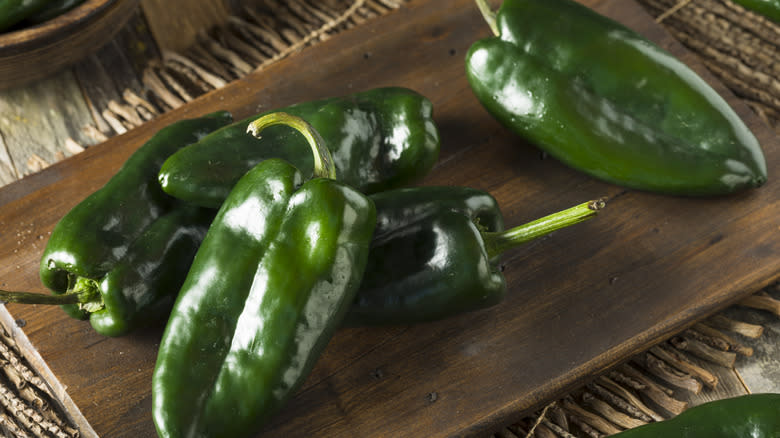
{"x": 754, "y": 416}
{"x": 120, "y": 256}
{"x": 436, "y": 253}
{"x": 269, "y": 286}
{"x": 604, "y": 100}
{"x": 54, "y": 9}
{"x": 14, "y": 11}
{"x": 379, "y": 139}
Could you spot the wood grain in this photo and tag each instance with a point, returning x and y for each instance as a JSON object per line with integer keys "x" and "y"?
{"x": 579, "y": 301}
{"x": 35, "y": 119}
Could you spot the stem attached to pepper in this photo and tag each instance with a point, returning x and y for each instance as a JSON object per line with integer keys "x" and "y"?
{"x": 323, "y": 161}
{"x": 489, "y": 14}
{"x": 84, "y": 292}
{"x": 498, "y": 242}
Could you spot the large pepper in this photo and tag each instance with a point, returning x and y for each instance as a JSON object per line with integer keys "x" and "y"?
{"x": 435, "y": 253}
{"x": 754, "y": 416}
{"x": 379, "y": 139}
{"x": 14, "y": 11}
{"x": 120, "y": 255}
{"x": 602, "y": 99}
{"x": 268, "y": 287}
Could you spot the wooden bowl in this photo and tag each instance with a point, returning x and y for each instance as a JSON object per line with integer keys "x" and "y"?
{"x": 35, "y": 52}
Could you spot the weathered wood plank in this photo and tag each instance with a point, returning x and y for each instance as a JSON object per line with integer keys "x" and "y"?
{"x": 36, "y": 120}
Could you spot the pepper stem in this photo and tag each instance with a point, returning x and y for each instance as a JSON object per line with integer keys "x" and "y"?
{"x": 497, "y": 243}
{"x": 323, "y": 161}
{"x": 489, "y": 15}
{"x": 84, "y": 292}
{"x": 35, "y": 298}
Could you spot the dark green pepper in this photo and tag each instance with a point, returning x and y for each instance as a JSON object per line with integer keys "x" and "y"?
{"x": 14, "y": 11}
{"x": 604, "y": 100}
{"x": 139, "y": 289}
{"x": 435, "y": 253}
{"x": 753, "y": 416}
{"x": 120, "y": 255}
{"x": 55, "y": 9}
{"x": 379, "y": 139}
{"x": 269, "y": 286}
{"x": 768, "y": 8}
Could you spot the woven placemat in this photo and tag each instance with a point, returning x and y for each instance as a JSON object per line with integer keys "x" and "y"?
{"x": 661, "y": 382}
{"x": 739, "y": 47}
{"x": 250, "y": 41}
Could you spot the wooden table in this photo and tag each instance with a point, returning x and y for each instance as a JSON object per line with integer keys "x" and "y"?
{"x": 580, "y": 301}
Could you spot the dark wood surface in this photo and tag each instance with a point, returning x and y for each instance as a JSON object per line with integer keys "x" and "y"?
{"x": 579, "y": 301}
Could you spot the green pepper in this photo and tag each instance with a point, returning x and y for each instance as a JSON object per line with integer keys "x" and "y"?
{"x": 379, "y": 139}
{"x": 768, "y": 8}
{"x": 754, "y": 416}
{"x": 55, "y": 9}
{"x": 269, "y": 286}
{"x": 604, "y": 100}
{"x": 139, "y": 289}
{"x": 120, "y": 255}
{"x": 435, "y": 253}
{"x": 14, "y": 11}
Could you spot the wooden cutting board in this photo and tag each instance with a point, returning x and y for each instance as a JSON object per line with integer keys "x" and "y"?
{"x": 579, "y": 301}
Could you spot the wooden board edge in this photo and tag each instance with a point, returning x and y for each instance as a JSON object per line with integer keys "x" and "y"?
{"x": 31, "y": 354}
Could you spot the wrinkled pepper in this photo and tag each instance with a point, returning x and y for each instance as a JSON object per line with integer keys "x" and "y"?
{"x": 604, "y": 100}
{"x": 436, "y": 253}
{"x": 120, "y": 256}
{"x": 379, "y": 139}
{"x": 14, "y": 11}
{"x": 269, "y": 286}
{"x": 753, "y": 415}
{"x": 768, "y": 8}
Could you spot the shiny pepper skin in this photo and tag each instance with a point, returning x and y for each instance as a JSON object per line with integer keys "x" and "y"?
{"x": 753, "y": 416}
{"x": 427, "y": 259}
{"x": 111, "y": 241}
{"x": 269, "y": 286}
{"x": 604, "y": 100}
{"x": 380, "y": 139}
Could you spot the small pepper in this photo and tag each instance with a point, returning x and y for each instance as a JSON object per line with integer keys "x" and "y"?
{"x": 119, "y": 256}
{"x": 269, "y": 286}
{"x": 753, "y": 415}
{"x": 14, "y": 11}
{"x": 379, "y": 139}
{"x": 436, "y": 253}
{"x": 139, "y": 289}
{"x": 604, "y": 100}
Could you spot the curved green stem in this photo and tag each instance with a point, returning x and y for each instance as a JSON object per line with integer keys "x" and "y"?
{"x": 488, "y": 14}
{"x": 323, "y": 162}
{"x": 498, "y": 242}
{"x": 84, "y": 292}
